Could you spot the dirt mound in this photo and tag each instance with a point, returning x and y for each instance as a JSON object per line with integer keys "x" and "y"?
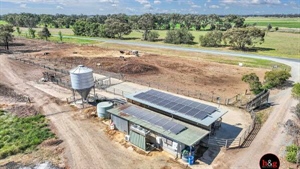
{"x": 137, "y": 68}
{"x": 23, "y": 110}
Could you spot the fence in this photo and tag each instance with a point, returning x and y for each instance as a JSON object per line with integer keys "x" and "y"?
{"x": 211, "y": 97}
{"x": 234, "y": 142}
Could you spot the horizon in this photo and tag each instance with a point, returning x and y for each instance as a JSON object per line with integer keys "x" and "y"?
{"x": 138, "y": 7}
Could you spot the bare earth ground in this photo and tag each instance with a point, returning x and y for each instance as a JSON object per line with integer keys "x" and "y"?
{"x": 193, "y": 75}
{"x": 86, "y": 144}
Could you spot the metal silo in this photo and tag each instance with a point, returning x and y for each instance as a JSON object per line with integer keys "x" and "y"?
{"x": 82, "y": 80}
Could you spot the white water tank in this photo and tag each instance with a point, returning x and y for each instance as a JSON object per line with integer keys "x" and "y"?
{"x": 82, "y": 80}
{"x": 102, "y": 108}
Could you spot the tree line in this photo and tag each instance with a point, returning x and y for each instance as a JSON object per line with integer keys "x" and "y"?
{"x": 236, "y": 33}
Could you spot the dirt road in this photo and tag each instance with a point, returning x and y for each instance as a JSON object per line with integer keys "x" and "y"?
{"x": 87, "y": 145}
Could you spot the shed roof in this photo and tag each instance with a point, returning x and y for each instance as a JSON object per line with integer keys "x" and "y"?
{"x": 207, "y": 121}
{"x": 189, "y": 136}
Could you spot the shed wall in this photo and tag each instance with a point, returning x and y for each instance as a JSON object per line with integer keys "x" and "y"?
{"x": 120, "y": 124}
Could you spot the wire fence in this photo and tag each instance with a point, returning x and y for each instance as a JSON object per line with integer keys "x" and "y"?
{"x": 234, "y": 142}
{"x": 52, "y": 64}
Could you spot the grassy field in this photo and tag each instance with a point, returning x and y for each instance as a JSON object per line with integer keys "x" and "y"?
{"x": 18, "y": 135}
{"x": 2, "y": 22}
{"x": 275, "y": 22}
{"x": 279, "y": 44}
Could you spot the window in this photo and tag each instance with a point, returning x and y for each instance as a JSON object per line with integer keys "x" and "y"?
{"x": 169, "y": 142}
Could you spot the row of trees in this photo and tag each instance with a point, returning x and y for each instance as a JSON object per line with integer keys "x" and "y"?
{"x": 238, "y": 38}
{"x": 159, "y": 21}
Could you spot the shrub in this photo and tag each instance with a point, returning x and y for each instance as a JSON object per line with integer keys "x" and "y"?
{"x": 296, "y": 91}
{"x": 181, "y": 36}
{"x": 276, "y": 78}
{"x": 253, "y": 80}
{"x": 211, "y": 39}
{"x": 152, "y": 36}
{"x": 291, "y": 153}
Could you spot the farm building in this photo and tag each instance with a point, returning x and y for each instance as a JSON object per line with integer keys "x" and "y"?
{"x": 159, "y": 119}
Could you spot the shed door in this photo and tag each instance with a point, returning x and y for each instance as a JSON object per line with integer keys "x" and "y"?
{"x": 120, "y": 124}
{"x": 138, "y": 140}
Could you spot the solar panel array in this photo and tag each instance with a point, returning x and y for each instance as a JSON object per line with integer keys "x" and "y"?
{"x": 166, "y": 123}
{"x": 177, "y": 104}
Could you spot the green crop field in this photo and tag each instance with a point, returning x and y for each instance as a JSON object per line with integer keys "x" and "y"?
{"x": 18, "y": 135}
{"x": 275, "y": 22}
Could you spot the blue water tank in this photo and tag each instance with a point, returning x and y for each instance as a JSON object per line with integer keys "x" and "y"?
{"x": 191, "y": 160}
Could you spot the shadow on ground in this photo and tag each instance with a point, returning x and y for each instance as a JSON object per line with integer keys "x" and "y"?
{"x": 251, "y": 136}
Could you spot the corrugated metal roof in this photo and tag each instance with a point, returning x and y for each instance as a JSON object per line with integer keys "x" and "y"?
{"x": 189, "y": 136}
{"x": 206, "y": 121}
{"x": 80, "y": 69}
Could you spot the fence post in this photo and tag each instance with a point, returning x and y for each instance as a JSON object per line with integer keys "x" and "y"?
{"x": 240, "y": 141}
{"x": 226, "y": 144}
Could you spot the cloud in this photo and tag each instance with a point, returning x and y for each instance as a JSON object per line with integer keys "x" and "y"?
{"x": 143, "y": 2}
{"x": 195, "y": 6}
{"x": 23, "y": 5}
{"x": 208, "y": 0}
{"x": 157, "y": 2}
{"x": 148, "y": 6}
{"x": 214, "y": 6}
{"x": 59, "y": 7}
{"x": 252, "y": 2}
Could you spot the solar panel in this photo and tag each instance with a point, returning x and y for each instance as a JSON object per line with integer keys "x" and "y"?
{"x": 177, "y": 128}
{"x": 175, "y": 103}
{"x": 164, "y": 102}
{"x": 157, "y": 100}
{"x": 201, "y": 115}
{"x": 169, "y": 125}
{"x": 185, "y": 109}
{"x": 177, "y": 107}
{"x": 210, "y": 109}
{"x": 193, "y": 112}
{"x": 169, "y": 105}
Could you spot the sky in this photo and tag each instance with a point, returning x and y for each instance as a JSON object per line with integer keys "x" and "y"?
{"x": 132, "y": 7}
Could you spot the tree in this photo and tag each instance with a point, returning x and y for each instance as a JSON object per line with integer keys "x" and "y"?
{"x": 153, "y": 35}
{"x": 6, "y": 35}
{"x": 117, "y": 26}
{"x": 253, "y": 80}
{"x": 44, "y": 34}
{"x": 239, "y": 38}
{"x": 181, "y": 36}
{"x": 269, "y": 27}
{"x": 19, "y": 31}
{"x": 60, "y": 36}
{"x": 146, "y": 23}
{"x": 296, "y": 91}
{"x": 31, "y": 33}
{"x": 211, "y": 39}
{"x": 276, "y": 78}
{"x": 276, "y": 28}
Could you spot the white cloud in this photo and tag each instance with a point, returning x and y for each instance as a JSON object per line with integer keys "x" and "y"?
{"x": 226, "y": 7}
{"x": 208, "y": 0}
{"x": 214, "y": 6}
{"x": 156, "y": 2}
{"x": 148, "y": 6}
{"x": 143, "y": 2}
{"x": 195, "y": 6}
{"x": 23, "y": 5}
{"x": 252, "y": 2}
{"x": 59, "y": 7}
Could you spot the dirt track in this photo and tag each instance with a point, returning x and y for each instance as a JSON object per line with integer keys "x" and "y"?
{"x": 87, "y": 145}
